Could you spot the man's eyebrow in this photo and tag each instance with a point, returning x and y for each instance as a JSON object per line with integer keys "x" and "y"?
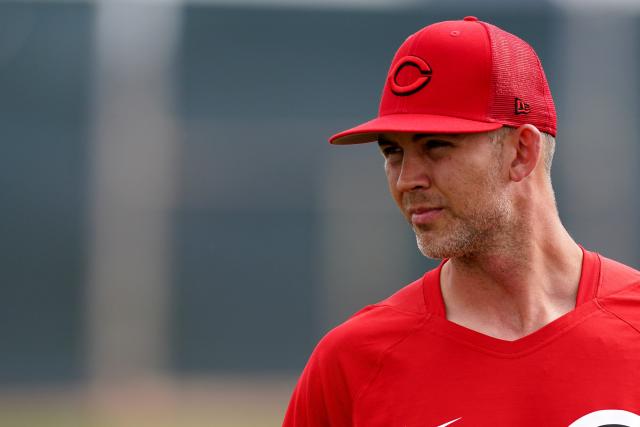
{"x": 419, "y": 136}
{"x": 384, "y": 141}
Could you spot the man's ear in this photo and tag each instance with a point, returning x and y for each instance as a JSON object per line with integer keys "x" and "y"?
{"x": 527, "y": 142}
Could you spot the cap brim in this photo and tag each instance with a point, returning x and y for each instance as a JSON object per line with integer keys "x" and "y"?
{"x": 413, "y": 123}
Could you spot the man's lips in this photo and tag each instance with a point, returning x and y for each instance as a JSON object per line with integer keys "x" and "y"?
{"x": 421, "y": 216}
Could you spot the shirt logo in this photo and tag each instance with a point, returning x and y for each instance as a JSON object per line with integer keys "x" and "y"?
{"x": 450, "y": 422}
{"x": 418, "y": 82}
{"x": 608, "y": 418}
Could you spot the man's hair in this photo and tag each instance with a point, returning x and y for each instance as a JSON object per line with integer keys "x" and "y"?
{"x": 548, "y": 145}
{"x": 548, "y": 150}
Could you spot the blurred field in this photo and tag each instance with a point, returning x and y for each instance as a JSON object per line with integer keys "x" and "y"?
{"x": 220, "y": 402}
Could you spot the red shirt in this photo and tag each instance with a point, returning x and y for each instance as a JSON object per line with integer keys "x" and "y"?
{"x": 402, "y": 363}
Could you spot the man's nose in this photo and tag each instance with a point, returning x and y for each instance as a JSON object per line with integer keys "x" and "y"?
{"x": 414, "y": 173}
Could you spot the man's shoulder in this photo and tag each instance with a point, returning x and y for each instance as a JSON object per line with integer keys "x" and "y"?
{"x": 616, "y": 277}
{"x": 409, "y": 299}
{"x": 349, "y": 357}
{"x": 378, "y": 326}
{"x": 619, "y": 292}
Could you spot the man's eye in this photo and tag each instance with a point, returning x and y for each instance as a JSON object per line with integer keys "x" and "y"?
{"x": 390, "y": 150}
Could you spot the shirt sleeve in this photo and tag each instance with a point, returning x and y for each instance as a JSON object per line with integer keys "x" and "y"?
{"x": 344, "y": 362}
{"x": 334, "y": 373}
{"x": 321, "y": 397}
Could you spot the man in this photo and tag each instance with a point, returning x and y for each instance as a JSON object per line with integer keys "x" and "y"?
{"x": 519, "y": 325}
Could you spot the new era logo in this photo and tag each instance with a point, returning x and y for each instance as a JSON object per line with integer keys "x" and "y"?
{"x": 522, "y": 107}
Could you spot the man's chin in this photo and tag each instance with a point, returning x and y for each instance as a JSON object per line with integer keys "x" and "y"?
{"x": 438, "y": 248}
{"x": 430, "y": 249}
{"x": 434, "y": 253}
{"x": 427, "y": 231}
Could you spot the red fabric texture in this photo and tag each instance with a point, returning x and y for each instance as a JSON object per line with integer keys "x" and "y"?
{"x": 517, "y": 73}
{"x": 401, "y": 363}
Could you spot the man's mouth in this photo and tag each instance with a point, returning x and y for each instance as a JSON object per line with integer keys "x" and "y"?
{"x": 423, "y": 216}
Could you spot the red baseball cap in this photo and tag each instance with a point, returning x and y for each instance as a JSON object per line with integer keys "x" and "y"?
{"x": 460, "y": 77}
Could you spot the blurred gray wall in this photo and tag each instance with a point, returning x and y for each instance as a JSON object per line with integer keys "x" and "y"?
{"x": 272, "y": 236}
{"x": 45, "y": 105}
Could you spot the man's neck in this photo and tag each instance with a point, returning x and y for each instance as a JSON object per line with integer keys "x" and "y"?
{"x": 512, "y": 291}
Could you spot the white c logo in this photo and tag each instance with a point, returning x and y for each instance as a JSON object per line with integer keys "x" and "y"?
{"x": 608, "y": 417}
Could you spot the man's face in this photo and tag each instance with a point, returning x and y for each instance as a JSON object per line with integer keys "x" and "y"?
{"x": 452, "y": 189}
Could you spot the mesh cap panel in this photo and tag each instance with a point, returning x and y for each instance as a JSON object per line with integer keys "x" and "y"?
{"x": 521, "y": 92}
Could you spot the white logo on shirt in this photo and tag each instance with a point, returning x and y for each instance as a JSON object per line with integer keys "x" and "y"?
{"x": 450, "y": 422}
{"x": 608, "y": 417}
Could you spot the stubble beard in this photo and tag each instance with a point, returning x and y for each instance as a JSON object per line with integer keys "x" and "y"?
{"x": 478, "y": 231}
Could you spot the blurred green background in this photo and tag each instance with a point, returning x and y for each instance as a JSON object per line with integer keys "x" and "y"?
{"x": 176, "y": 232}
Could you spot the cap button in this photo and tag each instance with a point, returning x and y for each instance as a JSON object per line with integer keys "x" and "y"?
{"x": 470, "y": 18}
